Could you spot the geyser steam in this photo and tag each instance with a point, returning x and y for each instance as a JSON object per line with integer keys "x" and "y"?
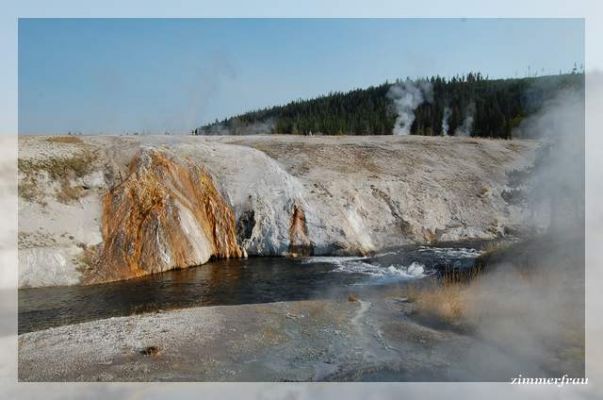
{"x": 406, "y": 97}
{"x": 465, "y": 128}
{"x": 445, "y": 117}
{"x": 532, "y": 301}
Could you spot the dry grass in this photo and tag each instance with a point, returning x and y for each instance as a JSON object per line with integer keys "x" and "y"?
{"x": 60, "y": 169}
{"x": 78, "y": 165}
{"x": 88, "y": 259}
{"x": 491, "y": 247}
{"x": 449, "y": 298}
{"x": 69, "y": 193}
{"x": 65, "y": 139}
{"x": 28, "y": 190}
{"x": 491, "y": 250}
{"x": 444, "y": 300}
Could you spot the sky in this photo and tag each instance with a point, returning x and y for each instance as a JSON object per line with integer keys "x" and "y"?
{"x": 157, "y": 75}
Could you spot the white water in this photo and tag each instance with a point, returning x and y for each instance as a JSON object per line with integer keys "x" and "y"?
{"x": 393, "y": 272}
{"x": 381, "y": 269}
{"x": 452, "y": 252}
{"x": 356, "y": 265}
{"x": 331, "y": 259}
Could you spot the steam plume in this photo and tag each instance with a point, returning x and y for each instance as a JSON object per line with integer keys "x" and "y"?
{"x": 445, "y": 125}
{"x": 557, "y": 196}
{"x": 407, "y": 96}
{"x": 465, "y": 128}
{"x": 532, "y": 301}
{"x": 236, "y": 127}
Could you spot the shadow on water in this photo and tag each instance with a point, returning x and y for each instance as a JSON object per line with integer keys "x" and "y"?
{"x": 232, "y": 282}
{"x": 220, "y": 282}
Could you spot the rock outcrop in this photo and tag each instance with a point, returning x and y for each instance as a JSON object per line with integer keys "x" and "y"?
{"x": 167, "y": 214}
{"x": 98, "y": 209}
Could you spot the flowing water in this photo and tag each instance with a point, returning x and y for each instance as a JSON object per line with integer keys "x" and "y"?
{"x": 230, "y": 282}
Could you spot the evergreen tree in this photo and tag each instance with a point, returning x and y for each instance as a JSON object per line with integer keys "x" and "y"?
{"x": 495, "y": 107}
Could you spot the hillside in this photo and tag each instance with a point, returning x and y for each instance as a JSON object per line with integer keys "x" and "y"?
{"x": 469, "y": 105}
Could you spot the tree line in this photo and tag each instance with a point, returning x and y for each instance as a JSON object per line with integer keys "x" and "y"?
{"x": 468, "y": 104}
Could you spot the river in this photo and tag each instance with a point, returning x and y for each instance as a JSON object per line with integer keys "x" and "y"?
{"x": 231, "y": 282}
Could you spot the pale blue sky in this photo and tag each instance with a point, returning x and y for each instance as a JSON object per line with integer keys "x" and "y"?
{"x": 118, "y": 75}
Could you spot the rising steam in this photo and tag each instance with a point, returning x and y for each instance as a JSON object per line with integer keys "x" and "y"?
{"x": 557, "y": 196}
{"x": 465, "y": 128}
{"x": 532, "y": 301}
{"x": 445, "y": 125}
{"x": 237, "y": 127}
{"x": 407, "y": 96}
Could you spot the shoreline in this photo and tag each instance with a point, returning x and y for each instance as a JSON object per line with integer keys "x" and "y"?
{"x": 309, "y": 340}
{"x": 372, "y": 337}
{"x": 33, "y": 301}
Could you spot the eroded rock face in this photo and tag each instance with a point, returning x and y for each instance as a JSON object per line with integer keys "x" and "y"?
{"x": 166, "y": 214}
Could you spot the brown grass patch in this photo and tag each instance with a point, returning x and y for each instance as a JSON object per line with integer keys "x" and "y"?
{"x": 78, "y": 165}
{"x": 88, "y": 259}
{"x": 64, "y": 139}
{"x": 69, "y": 193}
{"x": 491, "y": 250}
{"x": 28, "y": 190}
{"x": 60, "y": 169}
{"x": 446, "y": 299}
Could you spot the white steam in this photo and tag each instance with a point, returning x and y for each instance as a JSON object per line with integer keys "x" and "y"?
{"x": 445, "y": 126}
{"x": 406, "y": 97}
{"x": 531, "y": 302}
{"x": 556, "y": 196}
{"x": 237, "y": 127}
{"x": 467, "y": 126}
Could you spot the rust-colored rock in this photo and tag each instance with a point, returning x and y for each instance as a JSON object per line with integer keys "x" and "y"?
{"x": 166, "y": 214}
{"x": 299, "y": 243}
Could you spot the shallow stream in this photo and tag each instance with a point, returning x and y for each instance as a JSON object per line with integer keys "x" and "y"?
{"x": 231, "y": 282}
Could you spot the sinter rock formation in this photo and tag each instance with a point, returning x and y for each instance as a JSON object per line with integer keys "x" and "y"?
{"x": 97, "y": 209}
